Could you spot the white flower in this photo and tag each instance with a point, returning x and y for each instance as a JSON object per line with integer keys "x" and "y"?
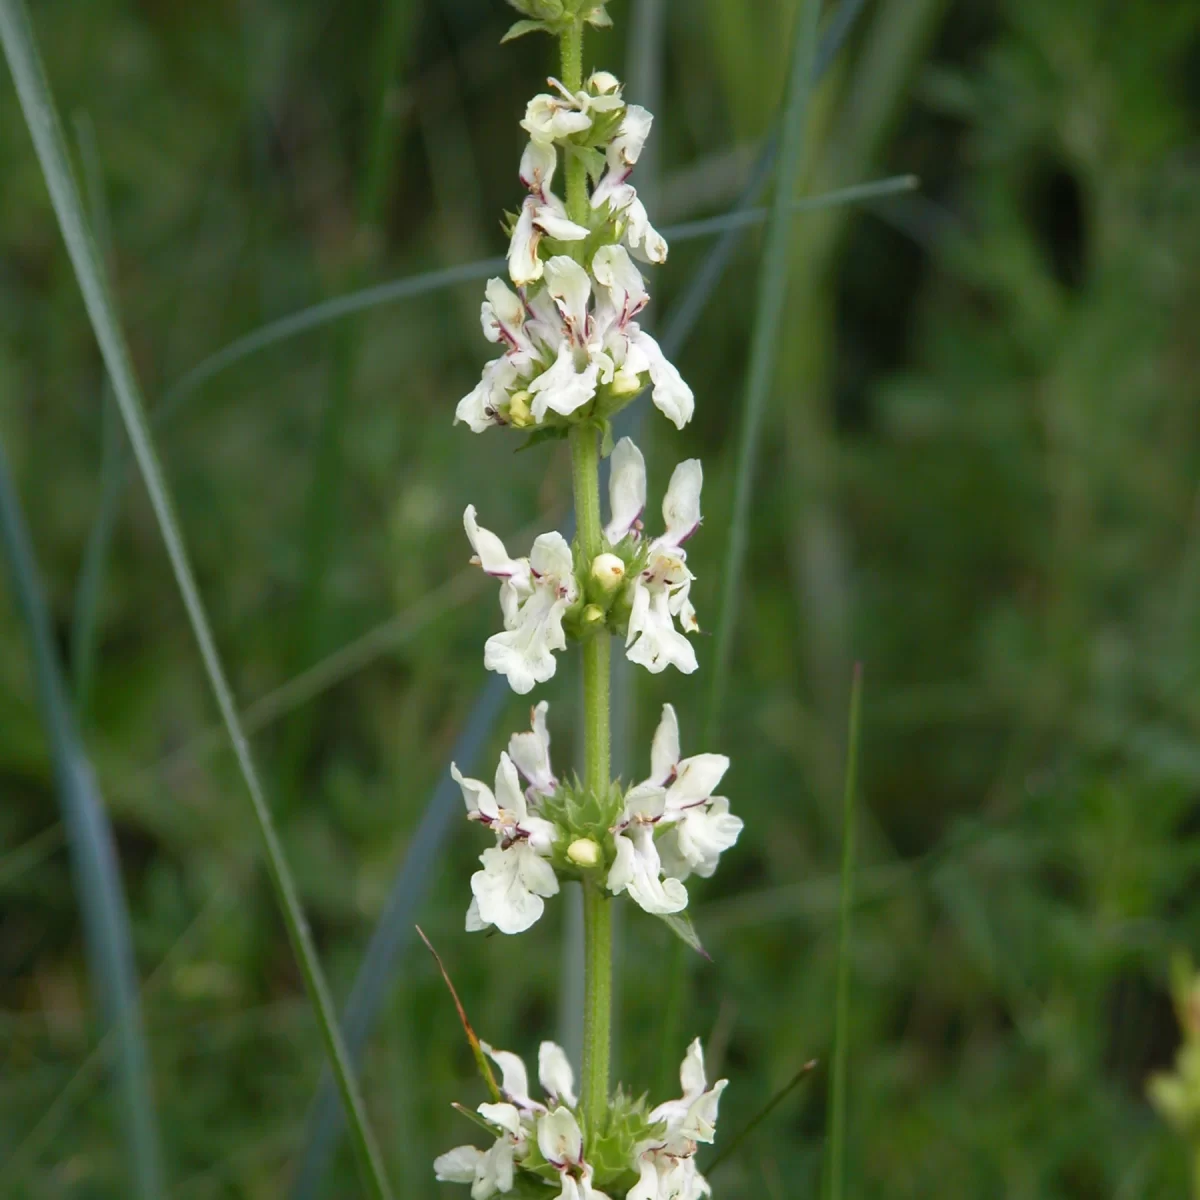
{"x": 580, "y": 364}
{"x": 514, "y": 1079}
{"x": 504, "y": 811}
{"x": 535, "y": 594}
{"x": 554, "y": 118}
{"x": 667, "y": 1166}
{"x": 542, "y": 214}
{"x": 626, "y": 490}
{"x": 701, "y": 827}
{"x": 490, "y": 1171}
{"x": 671, "y": 395}
{"x": 660, "y": 591}
{"x": 555, "y": 1074}
{"x": 604, "y": 83}
{"x": 531, "y": 754}
{"x": 516, "y": 874}
{"x": 633, "y": 351}
{"x": 668, "y": 1176}
{"x": 560, "y": 1139}
{"x": 693, "y": 1117}
{"x": 539, "y": 217}
{"x": 509, "y": 890}
{"x": 518, "y": 1117}
{"x": 561, "y": 1142}
{"x": 620, "y": 196}
{"x": 637, "y": 868}
{"x": 483, "y": 406}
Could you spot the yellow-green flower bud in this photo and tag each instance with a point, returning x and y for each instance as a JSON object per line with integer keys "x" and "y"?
{"x": 519, "y": 412}
{"x": 592, "y": 614}
{"x": 608, "y": 571}
{"x": 584, "y": 852}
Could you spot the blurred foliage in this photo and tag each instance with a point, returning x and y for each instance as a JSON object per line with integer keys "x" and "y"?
{"x": 981, "y": 481}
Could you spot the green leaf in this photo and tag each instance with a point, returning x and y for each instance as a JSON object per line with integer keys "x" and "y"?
{"x": 521, "y": 28}
{"x": 680, "y": 924}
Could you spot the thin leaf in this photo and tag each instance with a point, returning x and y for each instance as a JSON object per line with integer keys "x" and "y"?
{"x": 307, "y": 319}
{"x": 771, "y": 1105}
{"x": 768, "y": 322}
{"x": 745, "y": 218}
{"x": 92, "y": 848}
{"x": 485, "y": 1068}
{"x": 473, "y": 1117}
{"x": 38, "y": 107}
{"x": 836, "y": 1164}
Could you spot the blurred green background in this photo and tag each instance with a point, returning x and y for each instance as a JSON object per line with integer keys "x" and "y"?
{"x": 979, "y": 478}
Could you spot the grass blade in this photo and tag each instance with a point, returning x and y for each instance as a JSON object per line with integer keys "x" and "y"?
{"x": 38, "y": 107}
{"x": 93, "y": 858}
{"x": 767, "y": 1109}
{"x": 485, "y": 1068}
{"x": 393, "y": 934}
{"x": 746, "y": 218}
{"x": 772, "y": 293}
{"x": 112, "y": 459}
{"x": 321, "y": 314}
{"x": 836, "y": 1163}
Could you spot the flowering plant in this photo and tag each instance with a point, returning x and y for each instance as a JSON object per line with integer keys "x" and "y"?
{"x": 572, "y": 356}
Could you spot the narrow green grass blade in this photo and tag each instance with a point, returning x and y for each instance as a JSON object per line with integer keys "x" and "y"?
{"x": 735, "y": 1143}
{"x": 772, "y": 293}
{"x": 836, "y": 1162}
{"x": 38, "y": 107}
{"x": 327, "y": 312}
{"x": 93, "y": 854}
{"x": 314, "y": 317}
{"x": 878, "y": 189}
{"x": 112, "y": 459}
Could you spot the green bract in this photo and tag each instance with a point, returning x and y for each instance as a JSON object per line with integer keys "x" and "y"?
{"x": 556, "y": 17}
{"x": 578, "y": 813}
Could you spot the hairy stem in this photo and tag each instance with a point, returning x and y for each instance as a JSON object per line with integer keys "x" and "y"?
{"x": 572, "y": 78}
{"x": 585, "y": 476}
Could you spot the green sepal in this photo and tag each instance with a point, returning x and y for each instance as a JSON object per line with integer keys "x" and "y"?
{"x": 606, "y": 437}
{"x": 591, "y": 158}
{"x": 680, "y": 924}
{"x": 579, "y": 813}
{"x": 605, "y": 127}
{"x": 626, "y": 1123}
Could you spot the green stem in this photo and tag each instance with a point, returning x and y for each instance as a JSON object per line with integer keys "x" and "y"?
{"x": 597, "y": 1012}
{"x": 576, "y": 169}
{"x": 597, "y": 908}
{"x": 585, "y": 478}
